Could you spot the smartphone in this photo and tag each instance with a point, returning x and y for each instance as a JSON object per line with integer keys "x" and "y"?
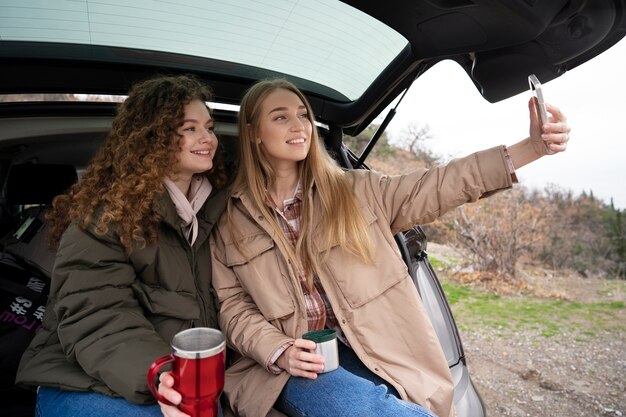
{"x": 535, "y": 89}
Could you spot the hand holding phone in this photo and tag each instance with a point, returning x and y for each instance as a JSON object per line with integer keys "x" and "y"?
{"x": 535, "y": 89}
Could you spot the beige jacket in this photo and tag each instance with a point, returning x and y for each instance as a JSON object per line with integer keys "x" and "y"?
{"x": 377, "y": 306}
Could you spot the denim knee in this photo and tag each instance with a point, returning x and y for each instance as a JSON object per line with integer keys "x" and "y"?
{"x": 54, "y": 402}
{"x": 342, "y": 394}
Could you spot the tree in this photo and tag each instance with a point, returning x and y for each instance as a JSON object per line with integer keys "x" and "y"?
{"x": 414, "y": 138}
{"x": 500, "y": 230}
{"x": 578, "y": 237}
{"x": 617, "y": 236}
{"x": 358, "y": 143}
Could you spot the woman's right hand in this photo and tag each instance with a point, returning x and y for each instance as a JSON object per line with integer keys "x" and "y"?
{"x": 298, "y": 361}
{"x": 166, "y": 389}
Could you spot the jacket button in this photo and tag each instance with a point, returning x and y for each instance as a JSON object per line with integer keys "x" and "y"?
{"x": 261, "y": 218}
{"x": 343, "y": 321}
{"x": 376, "y": 369}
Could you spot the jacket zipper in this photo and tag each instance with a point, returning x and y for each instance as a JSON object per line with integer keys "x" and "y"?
{"x": 203, "y": 304}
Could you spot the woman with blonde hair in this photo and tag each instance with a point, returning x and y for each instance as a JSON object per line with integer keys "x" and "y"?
{"x": 132, "y": 267}
{"x": 305, "y": 245}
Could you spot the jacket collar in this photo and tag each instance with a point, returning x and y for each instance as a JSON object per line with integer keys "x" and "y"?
{"x": 164, "y": 207}
{"x": 207, "y": 216}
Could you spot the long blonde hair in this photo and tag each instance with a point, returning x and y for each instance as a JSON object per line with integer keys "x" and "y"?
{"x": 341, "y": 218}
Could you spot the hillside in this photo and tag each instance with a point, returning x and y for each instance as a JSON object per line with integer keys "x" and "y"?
{"x": 522, "y": 228}
{"x": 399, "y": 162}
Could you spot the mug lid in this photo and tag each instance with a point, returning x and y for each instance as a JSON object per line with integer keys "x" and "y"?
{"x": 198, "y": 343}
{"x": 320, "y": 336}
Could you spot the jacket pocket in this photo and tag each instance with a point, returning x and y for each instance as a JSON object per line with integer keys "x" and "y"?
{"x": 263, "y": 275}
{"x": 361, "y": 282}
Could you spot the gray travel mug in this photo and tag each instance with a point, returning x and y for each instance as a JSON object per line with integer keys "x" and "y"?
{"x": 326, "y": 341}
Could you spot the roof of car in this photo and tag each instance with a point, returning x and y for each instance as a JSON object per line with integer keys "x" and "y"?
{"x": 352, "y": 58}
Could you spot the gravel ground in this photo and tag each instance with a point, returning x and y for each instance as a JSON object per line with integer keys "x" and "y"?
{"x": 526, "y": 374}
{"x": 523, "y": 373}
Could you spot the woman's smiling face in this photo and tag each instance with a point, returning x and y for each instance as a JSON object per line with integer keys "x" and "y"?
{"x": 198, "y": 142}
{"x": 284, "y": 129}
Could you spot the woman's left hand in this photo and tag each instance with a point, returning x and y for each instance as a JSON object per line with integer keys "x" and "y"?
{"x": 554, "y": 133}
{"x": 166, "y": 388}
{"x": 298, "y": 360}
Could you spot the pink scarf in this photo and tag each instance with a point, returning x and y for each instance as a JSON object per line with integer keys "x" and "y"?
{"x": 199, "y": 190}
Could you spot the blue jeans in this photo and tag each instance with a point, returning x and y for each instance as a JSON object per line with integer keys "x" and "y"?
{"x": 351, "y": 390}
{"x": 54, "y": 402}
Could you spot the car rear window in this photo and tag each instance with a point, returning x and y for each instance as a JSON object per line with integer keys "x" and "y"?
{"x": 325, "y": 41}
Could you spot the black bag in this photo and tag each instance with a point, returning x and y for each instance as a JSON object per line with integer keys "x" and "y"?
{"x": 23, "y": 296}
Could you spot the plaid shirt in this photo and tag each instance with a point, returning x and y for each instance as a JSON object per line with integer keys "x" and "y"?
{"x": 318, "y": 310}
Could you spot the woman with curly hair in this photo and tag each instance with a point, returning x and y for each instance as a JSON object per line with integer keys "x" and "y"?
{"x": 132, "y": 267}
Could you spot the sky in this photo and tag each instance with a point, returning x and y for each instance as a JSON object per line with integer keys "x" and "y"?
{"x": 592, "y": 96}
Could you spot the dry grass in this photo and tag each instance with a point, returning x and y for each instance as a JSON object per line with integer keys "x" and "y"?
{"x": 532, "y": 280}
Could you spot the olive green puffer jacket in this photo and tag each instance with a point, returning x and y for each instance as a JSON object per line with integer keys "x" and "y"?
{"x": 109, "y": 315}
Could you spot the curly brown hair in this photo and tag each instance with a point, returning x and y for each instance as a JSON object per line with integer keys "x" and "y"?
{"x": 125, "y": 177}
